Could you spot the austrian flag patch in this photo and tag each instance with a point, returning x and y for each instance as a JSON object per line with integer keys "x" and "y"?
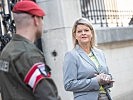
{"x": 36, "y": 73}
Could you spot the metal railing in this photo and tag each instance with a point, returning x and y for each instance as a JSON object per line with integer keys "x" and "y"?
{"x": 7, "y": 25}
{"x": 107, "y": 13}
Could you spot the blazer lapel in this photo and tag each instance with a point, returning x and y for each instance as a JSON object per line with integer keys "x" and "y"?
{"x": 84, "y": 56}
{"x": 98, "y": 57}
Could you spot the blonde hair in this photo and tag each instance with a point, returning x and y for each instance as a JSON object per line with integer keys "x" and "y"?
{"x": 83, "y": 21}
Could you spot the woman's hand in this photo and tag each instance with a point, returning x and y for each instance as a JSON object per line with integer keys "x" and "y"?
{"x": 103, "y": 78}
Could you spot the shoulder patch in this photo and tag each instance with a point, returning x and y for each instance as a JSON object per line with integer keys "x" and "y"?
{"x": 36, "y": 73}
{"x": 4, "y": 65}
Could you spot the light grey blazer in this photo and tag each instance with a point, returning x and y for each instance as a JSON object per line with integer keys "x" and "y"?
{"x": 78, "y": 73}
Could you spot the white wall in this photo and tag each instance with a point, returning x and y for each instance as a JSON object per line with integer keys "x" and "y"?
{"x": 120, "y": 61}
{"x": 59, "y": 18}
{"x": 60, "y": 15}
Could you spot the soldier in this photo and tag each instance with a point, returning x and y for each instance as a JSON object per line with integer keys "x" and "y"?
{"x": 23, "y": 72}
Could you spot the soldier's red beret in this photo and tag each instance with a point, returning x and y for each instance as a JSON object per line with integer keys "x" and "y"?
{"x": 29, "y": 7}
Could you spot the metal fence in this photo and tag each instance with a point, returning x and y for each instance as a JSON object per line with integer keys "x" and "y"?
{"x": 108, "y": 13}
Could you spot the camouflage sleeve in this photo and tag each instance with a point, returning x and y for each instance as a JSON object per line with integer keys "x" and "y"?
{"x": 46, "y": 90}
{"x": 37, "y": 75}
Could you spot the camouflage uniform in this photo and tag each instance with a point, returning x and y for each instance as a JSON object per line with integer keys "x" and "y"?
{"x": 23, "y": 73}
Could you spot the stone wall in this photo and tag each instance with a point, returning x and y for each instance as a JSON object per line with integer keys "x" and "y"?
{"x": 120, "y": 61}
{"x": 116, "y": 43}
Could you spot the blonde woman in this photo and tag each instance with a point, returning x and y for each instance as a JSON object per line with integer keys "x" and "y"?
{"x": 85, "y": 70}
